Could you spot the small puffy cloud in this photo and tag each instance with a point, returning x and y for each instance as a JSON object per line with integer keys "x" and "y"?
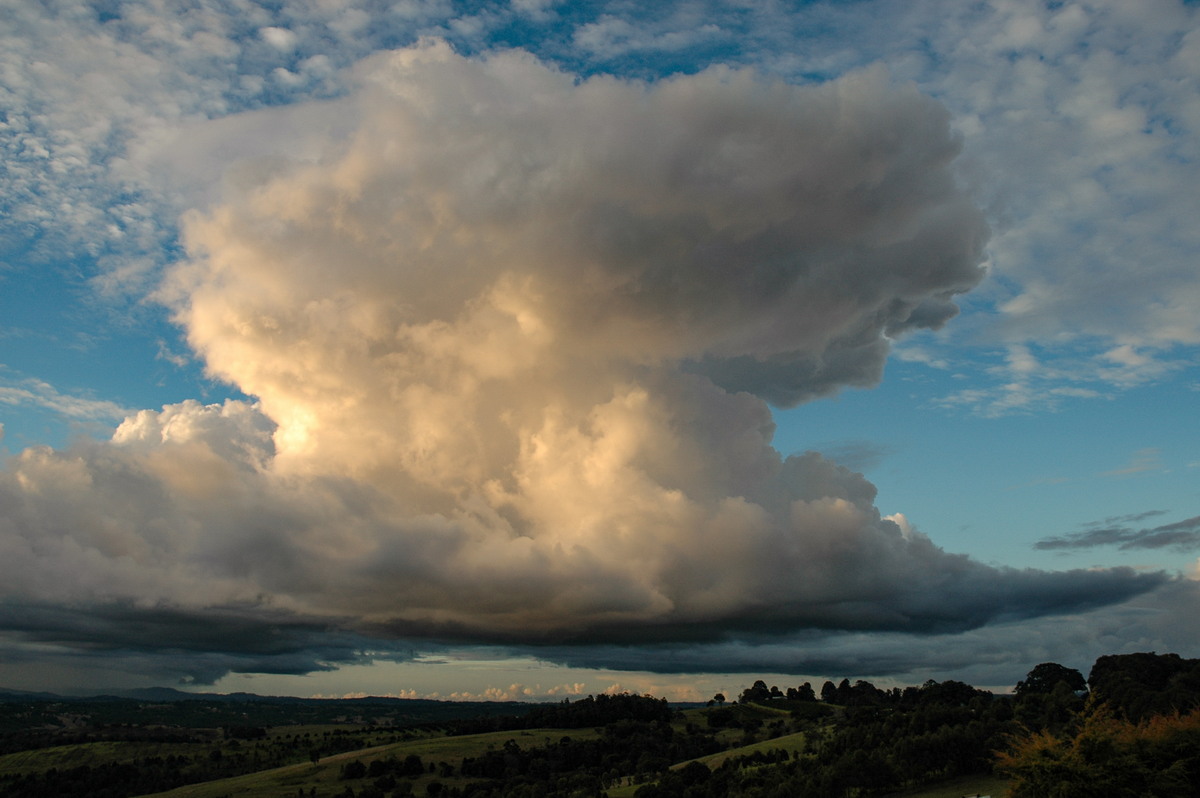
{"x": 513, "y": 337}
{"x": 279, "y": 38}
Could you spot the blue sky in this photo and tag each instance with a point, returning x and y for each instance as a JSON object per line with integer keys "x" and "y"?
{"x": 438, "y": 343}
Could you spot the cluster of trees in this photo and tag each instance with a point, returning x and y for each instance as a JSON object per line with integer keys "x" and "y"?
{"x": 1120, "y": 732}
{"x": 861, "y": 693}
{"x": 598, "y": 711}
{"x": 386, "y": 775}
{"x": 581, "y": 713}
{"x": 1140, "y": 686}
{"x": 759, "y": 692}
{"x": 882, "y": 740}
{"x": 1137, "y": 733}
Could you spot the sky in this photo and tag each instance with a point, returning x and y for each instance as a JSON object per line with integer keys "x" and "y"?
{"x": 529, "y": 349}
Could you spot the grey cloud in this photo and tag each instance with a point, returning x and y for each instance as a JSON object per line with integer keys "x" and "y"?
{"x": 196, "y": 646}
{"x": 998, "y": 655}
{"x": 1181, "y": 535}
{"x": 857, "y": 455}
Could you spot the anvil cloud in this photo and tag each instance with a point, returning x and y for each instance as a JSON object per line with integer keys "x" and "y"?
{"x": 513, "y": 338}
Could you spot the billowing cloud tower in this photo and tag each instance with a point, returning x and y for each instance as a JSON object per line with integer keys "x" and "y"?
{"x": 513, "y": 338}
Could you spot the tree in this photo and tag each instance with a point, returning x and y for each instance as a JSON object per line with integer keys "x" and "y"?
{"x": 756, "y": 692}
{"x": 1044, "y": 677}
{"x": 1137, "y": 686}
{"x": 353, "y": 770}
{"x": 719, "y": 698}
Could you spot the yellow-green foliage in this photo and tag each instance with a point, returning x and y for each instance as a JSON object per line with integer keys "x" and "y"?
{"x": 1108, "y": 756}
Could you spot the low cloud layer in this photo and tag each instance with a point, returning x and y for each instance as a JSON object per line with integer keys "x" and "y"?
{"x": 513, "y": 338}
{"x": 995, "y": 655}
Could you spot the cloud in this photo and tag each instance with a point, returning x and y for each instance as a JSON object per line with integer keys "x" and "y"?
{"x": 611, "y": 37}
{"x": 513, "y": 337}
{"x": 1081, "y": 123}
{"x": 1143, "y": 460}
{"x": 1086, "y": 132}
{"x": 84, "y": 90}
{"x": 1180, "y": 535}
{"x": 178, "y": 644}
{"x": 857, "y": 455}
{"x": 38, "y": 393}
{"x": 998, "y": 655}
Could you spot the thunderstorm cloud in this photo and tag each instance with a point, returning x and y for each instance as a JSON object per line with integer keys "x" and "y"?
{"x": 513, "y": 338}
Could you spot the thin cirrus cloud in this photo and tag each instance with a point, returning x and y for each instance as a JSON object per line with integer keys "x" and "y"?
{"x": 512, "y": 337}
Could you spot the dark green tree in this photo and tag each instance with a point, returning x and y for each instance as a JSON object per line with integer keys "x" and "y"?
{"x": 1044, "y": 678}
{"x": 756, "y": 692}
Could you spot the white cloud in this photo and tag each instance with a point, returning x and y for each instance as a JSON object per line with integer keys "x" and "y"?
{"x": 1143, "y": 460}
{"x": 279, "y": 38}
{"x": 612, "y": 37}
{"x": 39, "y": 393}
{"x": 79, "y": 89}
{"x": 1084, "y": 113}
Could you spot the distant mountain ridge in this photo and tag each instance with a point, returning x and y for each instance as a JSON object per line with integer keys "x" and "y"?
{"x": 171, "y": 695}
{"x": 8, "y": 694}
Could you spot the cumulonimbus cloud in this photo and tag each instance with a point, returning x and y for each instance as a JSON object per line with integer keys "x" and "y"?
{"x": 512, "y": 337}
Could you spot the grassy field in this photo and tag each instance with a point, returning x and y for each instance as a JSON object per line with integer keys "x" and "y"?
{"x": 90, "y": 754}
{"x": 994, "y": 786}
{"x": 285, "y": 781}
{"x": 788, "y": 742}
